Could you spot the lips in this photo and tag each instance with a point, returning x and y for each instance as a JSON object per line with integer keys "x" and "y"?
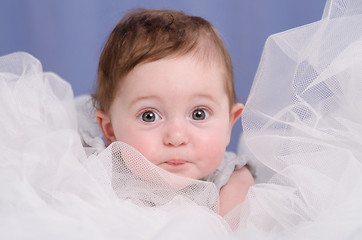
{"x": 175, "y": 162}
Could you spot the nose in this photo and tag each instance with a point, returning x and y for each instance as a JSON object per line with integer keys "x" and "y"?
{"x": 175, "y": 133}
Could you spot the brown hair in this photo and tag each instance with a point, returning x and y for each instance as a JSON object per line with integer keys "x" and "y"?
{"x": 149, "y": 35}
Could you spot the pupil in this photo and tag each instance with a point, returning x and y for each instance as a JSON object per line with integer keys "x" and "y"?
{"x": 148, "y": 117}
{"x": 199, "y": 115}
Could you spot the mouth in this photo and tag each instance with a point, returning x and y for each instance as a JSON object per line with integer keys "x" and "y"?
{"x": 176, "y": 162}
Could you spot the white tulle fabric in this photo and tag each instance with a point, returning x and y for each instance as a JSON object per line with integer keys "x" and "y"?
{"x": 302, "y": 127}
{"x": 303, "y": 120}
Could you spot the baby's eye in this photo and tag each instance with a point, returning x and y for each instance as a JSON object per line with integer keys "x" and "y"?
{"x": 150, "y": 116}
{"x": 200, "y": 114}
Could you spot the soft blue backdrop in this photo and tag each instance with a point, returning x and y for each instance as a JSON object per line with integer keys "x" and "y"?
{"x": 67, "y": 35}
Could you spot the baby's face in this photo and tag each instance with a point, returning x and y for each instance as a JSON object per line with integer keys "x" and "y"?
{"x": 176, "y": 113}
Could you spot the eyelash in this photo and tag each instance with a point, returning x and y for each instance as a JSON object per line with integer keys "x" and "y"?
{"x": 140, "y": 114}
{"x": 205, "y": 109}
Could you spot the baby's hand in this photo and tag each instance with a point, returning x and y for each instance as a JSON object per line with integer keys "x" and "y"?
{"x": 235, "y": 190}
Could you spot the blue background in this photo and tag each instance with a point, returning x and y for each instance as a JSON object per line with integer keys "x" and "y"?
{"x": 67, "y": 36}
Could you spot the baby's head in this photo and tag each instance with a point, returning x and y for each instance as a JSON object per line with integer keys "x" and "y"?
{"x": 165, "y": 86}
{"x": 148, "y": 35}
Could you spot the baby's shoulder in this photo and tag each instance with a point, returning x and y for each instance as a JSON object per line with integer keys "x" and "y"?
{"x": 235, "y": 190}
{"x": 240, "y": 178}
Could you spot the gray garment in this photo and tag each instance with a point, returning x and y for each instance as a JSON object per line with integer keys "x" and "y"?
{"x": 230, "y": 163}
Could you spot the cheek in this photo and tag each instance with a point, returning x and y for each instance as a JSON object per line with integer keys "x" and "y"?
{"x": 144, "y": 142}
{"x": 146, "y": 147}
{"x": 212, "y": 146}
{"x": 215, "y": 135}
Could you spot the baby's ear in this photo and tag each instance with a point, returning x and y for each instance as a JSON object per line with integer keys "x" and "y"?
{"x": 235, "y": 113}
{"x": 105, "y": 124}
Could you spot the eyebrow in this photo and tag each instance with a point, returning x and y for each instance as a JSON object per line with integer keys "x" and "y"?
{"x": 140, "y": 98}
{"x": 209, "y": 97}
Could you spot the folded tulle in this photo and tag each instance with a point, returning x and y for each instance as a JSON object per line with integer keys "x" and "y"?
{"x": 303, "y": 120}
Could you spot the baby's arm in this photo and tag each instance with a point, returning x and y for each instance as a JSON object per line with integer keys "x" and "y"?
{"x": 235, "y": 190}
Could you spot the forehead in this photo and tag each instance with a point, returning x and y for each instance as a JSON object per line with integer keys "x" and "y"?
{"x": 180, "y": 72}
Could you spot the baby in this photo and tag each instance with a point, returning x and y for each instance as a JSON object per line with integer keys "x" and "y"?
{"x": 165, "y": 87}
